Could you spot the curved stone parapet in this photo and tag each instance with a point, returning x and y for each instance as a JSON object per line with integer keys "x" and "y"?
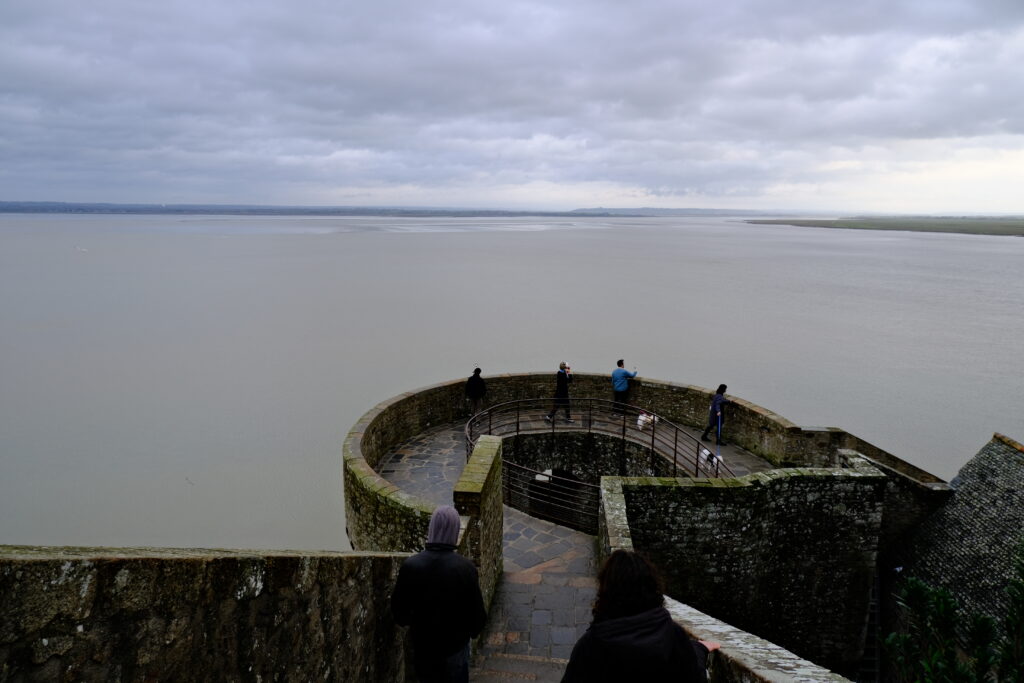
{"x": 383, "y": 517}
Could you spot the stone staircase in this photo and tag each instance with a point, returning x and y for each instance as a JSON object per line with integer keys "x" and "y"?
{"x": 494, "y": 665}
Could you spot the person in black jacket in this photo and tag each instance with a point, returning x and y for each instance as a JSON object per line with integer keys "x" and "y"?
{"x": 632, "y": 636}
{"x": 438, "y": 595}
{"x": 476, "y": 389}
{"x": 562, "y": 381}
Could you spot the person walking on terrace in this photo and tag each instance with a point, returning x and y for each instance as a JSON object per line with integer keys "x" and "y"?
{"x": 476, "y": 389}
{"x": 438, "y": 595}
{"x": 716, "y": 416}
{"x": 632, "y": 636}
{"x": 620, "y": 386}
{"x": 562, "y": 381}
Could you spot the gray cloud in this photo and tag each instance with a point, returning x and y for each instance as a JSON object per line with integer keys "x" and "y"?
{"x": 401, "y": 102}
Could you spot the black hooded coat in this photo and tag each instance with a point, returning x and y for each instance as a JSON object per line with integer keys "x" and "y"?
{"x": 647, "y": 647}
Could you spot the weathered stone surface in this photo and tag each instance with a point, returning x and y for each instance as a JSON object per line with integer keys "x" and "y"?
{"x": 967, "y": 547}
{"x": 145, "y": 614}
{"x": 788, "y": 554}
{"x": 477, "y": 495}
{"x": 745, "y": 657}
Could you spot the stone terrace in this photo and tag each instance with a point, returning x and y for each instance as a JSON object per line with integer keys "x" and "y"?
{"x": 542, "y": 605}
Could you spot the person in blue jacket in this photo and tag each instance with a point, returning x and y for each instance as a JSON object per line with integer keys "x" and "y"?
{"x": 620, "y": 386}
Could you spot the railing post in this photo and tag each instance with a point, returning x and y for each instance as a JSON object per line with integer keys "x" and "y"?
{"x": 696, "y": 460}
{"x": 517, "y": 417}
{"x": 654, "y": 431}
{"x": 675, "y": 450}
{"x": 490, "y": 421}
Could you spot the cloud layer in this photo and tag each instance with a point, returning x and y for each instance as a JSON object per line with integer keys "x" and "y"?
{"x": 886, "y": 106}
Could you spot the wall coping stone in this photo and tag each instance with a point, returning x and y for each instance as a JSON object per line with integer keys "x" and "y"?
{"x": 749, "y": 656}
{"x": 1008, "y": 441}
{"x": 77, "y": 553}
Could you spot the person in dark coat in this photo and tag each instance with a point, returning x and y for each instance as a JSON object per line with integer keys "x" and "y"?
{"x": 437, "y": 594}
{"x": 562, "y": 381}
{"x": 632, "y": 636}
{"x": 716, "y": 415}
{"x": 476, "y": 389}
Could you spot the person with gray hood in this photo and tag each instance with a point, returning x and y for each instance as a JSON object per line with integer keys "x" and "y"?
{"x": 437, "y": 595}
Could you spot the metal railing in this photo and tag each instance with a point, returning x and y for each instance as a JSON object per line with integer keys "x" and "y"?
{"x": 552, "y": 495}
{"x": 686, "y": 453}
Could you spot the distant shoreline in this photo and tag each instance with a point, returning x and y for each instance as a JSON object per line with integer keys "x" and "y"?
{"x": 967, "y": 225}
{"x": 1007, "y": 226}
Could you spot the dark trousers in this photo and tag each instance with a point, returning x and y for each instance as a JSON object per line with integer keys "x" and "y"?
{"x": 451, "y": 669}
{"x": 621, "y": 399}
{"x": 560, "y": 402}
{"x": 713, "y": 424}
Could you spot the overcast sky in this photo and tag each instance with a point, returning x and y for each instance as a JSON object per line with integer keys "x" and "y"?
{"x": 823, "y": 105}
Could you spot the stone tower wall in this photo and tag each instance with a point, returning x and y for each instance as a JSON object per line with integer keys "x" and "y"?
{"x": 786, "y": 554}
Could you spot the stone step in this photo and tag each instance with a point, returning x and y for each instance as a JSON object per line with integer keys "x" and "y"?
{"x": 498, "y": 666}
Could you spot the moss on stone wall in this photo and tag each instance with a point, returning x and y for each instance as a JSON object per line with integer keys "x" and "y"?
{"x": 139, "y": 615}
{"x": 787, "y": 554}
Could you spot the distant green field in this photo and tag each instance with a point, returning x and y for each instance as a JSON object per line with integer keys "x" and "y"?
{"x": 968, "y": 225}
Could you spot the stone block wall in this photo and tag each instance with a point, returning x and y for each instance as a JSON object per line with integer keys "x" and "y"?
{"x": 163, "y": 614}
{"x": 477, "y": 497}
{"x": 585, "y": 455}
{"x": 749, "y": 425}
{"x": 967, "y": 546}
{"x": 744, "y": 657}
{"x": 786, "y": 554}
{"x": 379, "y": 515}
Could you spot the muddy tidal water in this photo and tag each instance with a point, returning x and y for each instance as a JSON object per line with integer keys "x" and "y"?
{"x": 188, "y": 381}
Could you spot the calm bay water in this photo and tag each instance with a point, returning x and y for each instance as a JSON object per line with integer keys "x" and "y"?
{"x": 188, "y": 381}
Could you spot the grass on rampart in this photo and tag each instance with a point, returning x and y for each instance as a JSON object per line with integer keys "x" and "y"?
{"x": 961, "y": 224}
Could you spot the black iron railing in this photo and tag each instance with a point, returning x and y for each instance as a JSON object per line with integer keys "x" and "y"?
{"x": 686, "y": 454}
{"x": 551, "y": 495}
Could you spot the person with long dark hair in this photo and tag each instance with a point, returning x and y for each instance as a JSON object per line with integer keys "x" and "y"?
{"x": 632, "y": 636}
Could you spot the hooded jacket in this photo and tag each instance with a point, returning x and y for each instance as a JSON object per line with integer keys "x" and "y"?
{"x": 437, "y": 593}
{"x": 647, "y": 647}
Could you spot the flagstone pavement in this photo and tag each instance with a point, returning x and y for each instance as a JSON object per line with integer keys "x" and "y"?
{"x": 543, "y": 602}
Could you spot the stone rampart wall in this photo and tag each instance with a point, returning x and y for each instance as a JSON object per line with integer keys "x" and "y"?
{"x": 382, "y": 517}
{"x": 379, "y": 515}
{"x": 749, "y": 425}
{"x": 787, "y": 554}
{"x": 585, "y": 455}
{"x": 163, "y": 614}
{"x": 477, "y": 496}
{"x": 744, "y": 657}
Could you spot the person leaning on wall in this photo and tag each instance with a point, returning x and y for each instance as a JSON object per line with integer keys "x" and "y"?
{"x": 632, "y": 636}
{"x": 620, "y": 386}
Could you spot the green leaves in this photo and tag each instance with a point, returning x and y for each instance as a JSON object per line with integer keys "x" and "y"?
{"x": 926, "y": 648}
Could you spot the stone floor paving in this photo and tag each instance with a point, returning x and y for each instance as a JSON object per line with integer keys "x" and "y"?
{"x": 542, "y": 605}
